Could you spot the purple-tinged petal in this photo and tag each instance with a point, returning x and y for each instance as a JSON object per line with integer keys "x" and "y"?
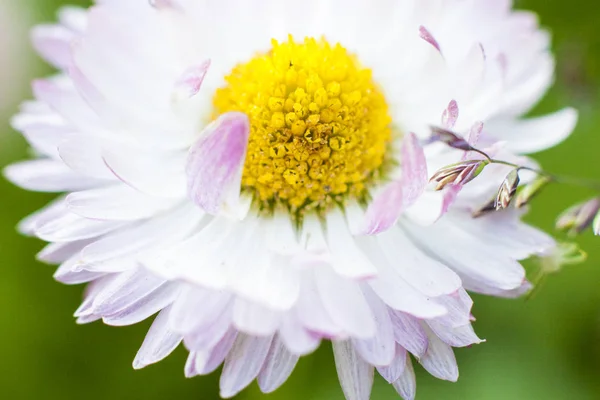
{"x": 450, "y": 115}
{"x": 460, "y": 336}
{"x": 439, "y": 360}
{"x": 385, "y": 210}
{"x": 208, "y": 360}
{"x": 379, "y": 350}
{"x": 191, "y": 80}
{"x": 406, "y": 386}
{"x": 159, "y": 342}
{"x": 215, "y": 163}
{"x": 409, "y": 333}
{"x": 459, "y": 306}
{"x": 53, "y": 43}
{"x": 143, "y": 308}
{"x": 277, "y": 368}
{"x": 428, "y": 37}
{"x": 393, "y": 372}
{"x": 354, "y": 373}
{"x": 474, "y": 135}
{"x": 243, "y": 363}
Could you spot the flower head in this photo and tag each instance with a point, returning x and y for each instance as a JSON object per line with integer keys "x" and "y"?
{"x": 508, "y": 189}
{"x": 254, "y": 174}
{"x": 459, "y": 174}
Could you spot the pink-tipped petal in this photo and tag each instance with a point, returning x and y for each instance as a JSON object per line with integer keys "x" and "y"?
{"x": 428, "y": 37}
{"x": 191, "y": 80}
{"x": 450, "y": 115}
{"x": 387, "y": 207}
{"x": 215, "y": 163}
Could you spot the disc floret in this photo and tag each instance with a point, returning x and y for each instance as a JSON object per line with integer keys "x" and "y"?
{"x": 320, "y": 127}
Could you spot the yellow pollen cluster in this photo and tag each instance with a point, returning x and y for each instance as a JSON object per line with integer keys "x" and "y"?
{"x": 320, "y": 128}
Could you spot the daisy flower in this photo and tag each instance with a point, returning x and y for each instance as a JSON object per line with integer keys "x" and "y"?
{"x": 257, "y": 174}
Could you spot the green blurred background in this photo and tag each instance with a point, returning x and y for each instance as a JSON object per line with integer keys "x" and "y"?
{"x": 547, "y": 347}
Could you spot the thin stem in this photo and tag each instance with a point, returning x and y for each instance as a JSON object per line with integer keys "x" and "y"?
{"x": 568, "y": 180}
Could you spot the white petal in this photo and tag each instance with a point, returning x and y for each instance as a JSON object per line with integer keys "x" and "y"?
{"x": 120, "y": 203}
{"x": 67, "y": 274}
{"x": 57, "y": 253}
{"x": 439, "y": 360}
{"x": 406, "y": 386}
{"x": 394, "y": 290}
{"x": 281, "y": 235}
{"x": 379, "y": 350}
{"x": 143, "y": 308}
{"x": 296, "y": 338}
{"x": 277, "y": 367}
{"x": 258, "y": 276}
{"x": 255, "y": 319}
{"x": 347, "y": 259}
{"x": 197, "y": 307}
{"x": 460, "y": 336}
{"x": 243, "y": 363}
{"x": 425, "y": 274}
{"x": 205, "y": 362}
{"x": 160, "y": 231}
{"x": 68, "y": 227}
{"x": 459, "y": 306}
{"x": 159, "y": 342}
{"x": 128, "y": 288}
{"x": 394, "y": 371}
{"x": 345, "y": 304}
{"x": 535, "y": 134}
{"x": 465, "y": 253}
{"x": 150, "y": 172}
{"x": 311, "y": 310}
{"x": 409, "y": 333}
{"x": 45, "y": 175}
{"x": 355, "y": 374}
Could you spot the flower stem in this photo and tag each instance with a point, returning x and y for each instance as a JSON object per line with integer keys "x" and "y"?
{"x": 567, "y": 180}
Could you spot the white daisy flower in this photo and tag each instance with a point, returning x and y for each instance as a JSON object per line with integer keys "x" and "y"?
{"x": 254, "y": 173}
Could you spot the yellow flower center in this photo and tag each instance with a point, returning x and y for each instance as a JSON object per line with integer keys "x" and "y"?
{"x": 320, "y": 127}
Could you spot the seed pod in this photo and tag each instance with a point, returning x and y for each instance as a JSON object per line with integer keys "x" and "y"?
{"x": 450, "y": 138}
{"x": 459, "y": 174}
{"x": 579, "y": 217}
{"x": 529, "y": 191}
{"x": 507, "y": 189}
